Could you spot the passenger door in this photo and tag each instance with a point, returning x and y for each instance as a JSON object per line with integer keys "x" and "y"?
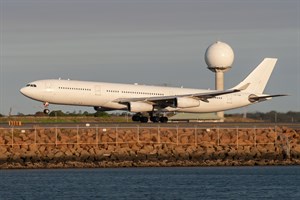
{"x": 98, "y": 90}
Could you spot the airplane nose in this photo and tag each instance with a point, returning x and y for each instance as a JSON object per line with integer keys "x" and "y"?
{"x": 23, "y": 90}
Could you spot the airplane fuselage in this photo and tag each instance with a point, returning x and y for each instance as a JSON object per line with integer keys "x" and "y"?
{"x": 101, "y": 94}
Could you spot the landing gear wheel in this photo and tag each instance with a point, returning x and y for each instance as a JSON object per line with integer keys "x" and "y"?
{"x": 163, "y": 119}
{"x": 46, "y": 111}
{"x": 136, "y": 118}
{"x": 144, "y": 119}
{"x": 154, "y": 119}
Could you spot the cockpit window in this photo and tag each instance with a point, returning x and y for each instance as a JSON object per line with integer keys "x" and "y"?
{"x": 31, "y": 85}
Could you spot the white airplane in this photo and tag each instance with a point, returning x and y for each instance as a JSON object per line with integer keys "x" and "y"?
{"x": 154, "y": 100}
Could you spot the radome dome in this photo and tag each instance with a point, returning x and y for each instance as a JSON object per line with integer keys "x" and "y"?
{"x": 219, "y": 56}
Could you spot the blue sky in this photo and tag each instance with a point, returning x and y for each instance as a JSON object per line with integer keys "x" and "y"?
{"x": 146, "y": 41}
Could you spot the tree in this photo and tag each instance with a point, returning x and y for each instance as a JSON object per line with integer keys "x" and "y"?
{"x": 85, "y": 113}
{"x": 57, "y": 113}
{"x": 101, "y": 114}
{"x": 40, "y": 114}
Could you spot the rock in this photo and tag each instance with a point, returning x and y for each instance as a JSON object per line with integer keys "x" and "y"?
{"x": 7, "y": 139}
{"x": 2, "y": 141}
{"x": 33, "y": 148}
{"x": 3, "y": 148}
{"x": 225, "y": 139}
{"x": 59, "y": 154}
{"x": 142, "y": 151}
{"x": 104, "y": 139}
{"x": 140, "y": 156}
{"x": 162, "y": 154}
{"x": 148, "y": 148}
{"x": 91, "y": 151}
{"x": 247, "y": 149}
{"x": 23, "y": 137}
{"x": 84, "y": 154}
{"x": 191, "y": 149}
{"x": 296, "y": 148}
{"x": 184, "y": 139}
{"x": 112, "y": 136}
{"x": 4, "y": 157}
{"x": 68, "y": 153}
{"x": 131, "y": 153}
{"x": 111, "y": 148}
{"x": 135, "y": 147}
{"x": 42, "y": 148}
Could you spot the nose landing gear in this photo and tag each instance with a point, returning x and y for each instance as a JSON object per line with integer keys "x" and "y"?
{"x": 46, "y": 110}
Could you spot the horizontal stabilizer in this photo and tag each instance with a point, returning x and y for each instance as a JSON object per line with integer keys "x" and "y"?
{"x": 255, "y": 98}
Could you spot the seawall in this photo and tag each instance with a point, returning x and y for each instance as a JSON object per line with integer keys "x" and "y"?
{"x": 78, "y": 147}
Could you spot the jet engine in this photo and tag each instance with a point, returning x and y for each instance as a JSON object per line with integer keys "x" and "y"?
{"x": 185, "y": 102}
{"x": 139, "y": 107}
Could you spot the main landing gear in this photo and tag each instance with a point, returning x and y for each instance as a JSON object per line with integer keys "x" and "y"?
{"x": 139, "y": 118}
{"x": 143, "y": 119}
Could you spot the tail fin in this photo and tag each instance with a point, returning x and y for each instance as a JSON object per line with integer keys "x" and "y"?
{"x": 257, "y": 80}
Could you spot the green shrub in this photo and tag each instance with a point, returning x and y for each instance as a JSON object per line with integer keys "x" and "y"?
{"x": 101, "y": 114}
{"x": 57, "y": 113}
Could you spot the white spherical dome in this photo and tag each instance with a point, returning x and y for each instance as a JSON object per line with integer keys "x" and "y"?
{"x": 219, "y": 56}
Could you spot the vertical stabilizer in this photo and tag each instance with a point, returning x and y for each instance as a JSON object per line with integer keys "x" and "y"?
{"x": 257, "y": 80}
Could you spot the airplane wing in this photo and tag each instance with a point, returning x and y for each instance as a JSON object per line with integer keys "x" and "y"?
{"x": 255, "y": 98}
{"x": 164, "y": 101}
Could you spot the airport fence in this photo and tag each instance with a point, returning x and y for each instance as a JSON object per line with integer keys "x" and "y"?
{"x": 144, "y": 135}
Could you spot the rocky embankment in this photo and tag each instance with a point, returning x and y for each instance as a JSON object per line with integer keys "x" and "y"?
{"x": 140, "y": 147}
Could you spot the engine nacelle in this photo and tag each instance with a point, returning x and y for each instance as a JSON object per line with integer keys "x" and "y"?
{"x": 252, "y": 97}
{"x": 139, "y": 107}
{"x": 185, "y": 102}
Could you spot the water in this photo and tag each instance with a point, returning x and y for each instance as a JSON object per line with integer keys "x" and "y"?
{"x": 153, "y": 183}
